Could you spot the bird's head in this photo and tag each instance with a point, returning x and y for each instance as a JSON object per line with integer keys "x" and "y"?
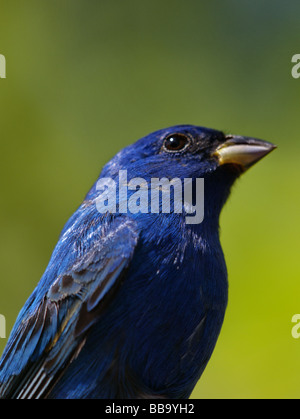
{"x": 187, "y": 151}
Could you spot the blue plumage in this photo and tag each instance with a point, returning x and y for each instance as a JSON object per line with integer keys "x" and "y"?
{"x": 131, "y": 305}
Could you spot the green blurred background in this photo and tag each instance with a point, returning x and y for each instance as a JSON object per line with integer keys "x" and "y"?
{"x": 86, "y": 78}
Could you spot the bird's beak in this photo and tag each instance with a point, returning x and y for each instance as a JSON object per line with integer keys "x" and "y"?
{"x": 242, "y": 151}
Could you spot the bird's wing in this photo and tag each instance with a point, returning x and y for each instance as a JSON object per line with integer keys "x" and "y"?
{"x": 47, "y": 339}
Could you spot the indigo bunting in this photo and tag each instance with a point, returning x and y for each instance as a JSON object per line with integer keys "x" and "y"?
{"x": 132, "y": 302}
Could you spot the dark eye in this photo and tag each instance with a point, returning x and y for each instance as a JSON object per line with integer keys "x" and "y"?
{"x": 176, "y": 142}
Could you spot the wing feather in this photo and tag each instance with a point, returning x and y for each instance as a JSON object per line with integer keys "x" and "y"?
{"x": 47, "y": 340}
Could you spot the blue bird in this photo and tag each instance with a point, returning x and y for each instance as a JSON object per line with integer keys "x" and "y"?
{"x": 132, "y": 302}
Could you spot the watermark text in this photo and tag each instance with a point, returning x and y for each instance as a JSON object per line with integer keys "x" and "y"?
{"x": 2, "y": 67}
{"x": 161, "y": 195}
{"x": 296, "y": 328}
{"x": 2, "y": 327}
{"x": 296, "y": 67}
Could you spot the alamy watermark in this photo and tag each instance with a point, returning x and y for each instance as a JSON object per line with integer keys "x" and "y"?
{"x": 2, "y": 67}
{"x": 162, "y": 195}
{"x": 2, "y": 327}
{"x": 296, "y": 67}
{"x": 296, "y": 328}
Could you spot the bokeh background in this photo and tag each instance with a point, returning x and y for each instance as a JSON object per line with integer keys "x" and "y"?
{"x": 86, "y": 78}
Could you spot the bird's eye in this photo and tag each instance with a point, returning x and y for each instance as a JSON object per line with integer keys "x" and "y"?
{"x": 176, "y": 142}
